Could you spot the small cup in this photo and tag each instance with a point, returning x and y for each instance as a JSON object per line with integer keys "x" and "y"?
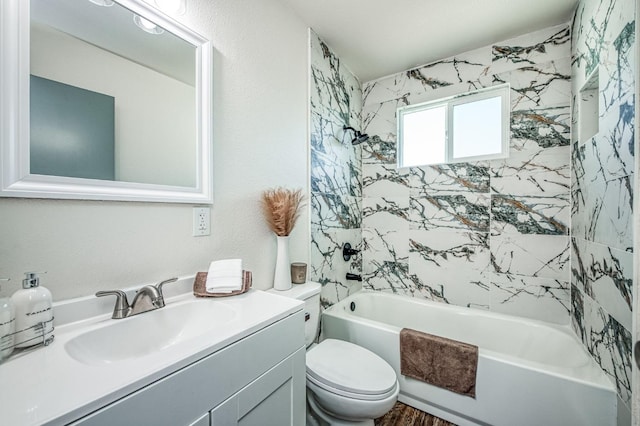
{"x": 298, "y": 273}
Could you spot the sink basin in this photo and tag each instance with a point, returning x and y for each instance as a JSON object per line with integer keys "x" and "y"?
{"x": 148, "y": 332}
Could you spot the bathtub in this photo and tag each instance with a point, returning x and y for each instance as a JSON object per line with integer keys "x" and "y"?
{"x": 529, "y": 372}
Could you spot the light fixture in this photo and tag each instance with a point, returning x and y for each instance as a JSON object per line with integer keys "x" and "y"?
{"x": 104, "y": 3}
{"x": 173, "y": 7}
{"x": 147, "y": 25}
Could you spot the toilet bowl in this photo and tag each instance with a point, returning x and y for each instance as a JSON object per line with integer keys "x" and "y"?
{"x": 346, "y": 384}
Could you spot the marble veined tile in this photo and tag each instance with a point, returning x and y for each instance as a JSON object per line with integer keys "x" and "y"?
{"x": 387, "y": 213}
{"x": 336, "y": 173}
{"x": 589, "y": 34}
{"x": 614, "y": 220}
{"x": 379, "y": 120}
{"x": 385, "y": 261}
{"x": 598, "y": 24}
{"x": 530, "y": 297}
{"x": 613, "y": 146}
{"x": 610, "y": 345}
{"x": 335, "y": 93}
{"x": 545, "y": 171}
{"x": 602, "y": 211}
{"x": 462, "y": 68}
{"x": 446, "y": 210}
{"x": 329, "y": 268}
{"x": 533, "y": 48}
{"x": 622, "y": 13}
{"x": 545, "y": 256}
{"x": 540, "y": 128}
{"x": 539, "y": 85}
{"x": 385, "y": 180}
{"x": 616, "y": 71}
{"x": 606, "y": 274}
{"x": 452, "y": 262}
{"x": 334, "y": 211}
{"x": 379, "y": 151}
{"x": 530, "y": 214}
{"x": 446, "y": 72}
{"x": 577, "y": 314}
{"x": 578, "y": 268}
{"x": 456, "y": 177}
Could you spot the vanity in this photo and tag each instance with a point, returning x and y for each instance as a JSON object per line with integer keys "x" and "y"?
{"x": 197, "y": 361}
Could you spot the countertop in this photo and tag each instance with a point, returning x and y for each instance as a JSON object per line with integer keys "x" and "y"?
{"x": 48, "y": 386}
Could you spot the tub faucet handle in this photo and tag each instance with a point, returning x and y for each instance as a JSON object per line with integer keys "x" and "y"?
{"x": 347, "y": 252}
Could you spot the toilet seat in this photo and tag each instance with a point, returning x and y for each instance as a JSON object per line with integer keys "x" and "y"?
{"x": 349, "y": 370}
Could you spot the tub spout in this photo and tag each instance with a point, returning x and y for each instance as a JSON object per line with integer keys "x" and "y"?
{"x": 355, "y": 277}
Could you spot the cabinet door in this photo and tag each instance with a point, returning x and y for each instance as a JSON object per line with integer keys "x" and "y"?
{"x": 202, "y": 421}
{"x": 274, "y": 399}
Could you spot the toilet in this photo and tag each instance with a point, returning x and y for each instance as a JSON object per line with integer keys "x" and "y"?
{"x": 346, "y": 383}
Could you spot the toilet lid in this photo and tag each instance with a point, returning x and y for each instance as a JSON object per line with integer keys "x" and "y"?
{"x": 348, "y": 367}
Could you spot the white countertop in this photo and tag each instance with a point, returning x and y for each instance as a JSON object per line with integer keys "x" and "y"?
{"x": 48, "y": 386}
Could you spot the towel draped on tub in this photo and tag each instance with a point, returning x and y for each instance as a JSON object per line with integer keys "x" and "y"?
{"x": 439, "y": 361}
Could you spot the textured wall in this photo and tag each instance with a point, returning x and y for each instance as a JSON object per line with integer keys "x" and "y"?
{"x": 603, "y": 167}
{"x": 490, "y": 234}
{"x": 336, "y": 182}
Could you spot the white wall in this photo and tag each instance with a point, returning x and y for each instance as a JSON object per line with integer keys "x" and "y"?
{"x": 260, "y": 134}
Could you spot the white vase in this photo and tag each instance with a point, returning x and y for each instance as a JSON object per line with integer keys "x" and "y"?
{"x": 282, "y": 274}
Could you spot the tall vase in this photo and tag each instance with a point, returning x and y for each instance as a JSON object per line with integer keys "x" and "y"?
{"x": 282, "y": 274}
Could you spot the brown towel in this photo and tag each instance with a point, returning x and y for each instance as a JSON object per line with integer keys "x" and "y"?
{"x": 442, "y": 362}
{"x": 200, "y": 287}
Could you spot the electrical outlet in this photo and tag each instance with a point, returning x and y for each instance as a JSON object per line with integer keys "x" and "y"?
{"x": 201, "y": 221}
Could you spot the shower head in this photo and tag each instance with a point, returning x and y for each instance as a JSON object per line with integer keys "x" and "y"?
{"x": 359, "y": 137}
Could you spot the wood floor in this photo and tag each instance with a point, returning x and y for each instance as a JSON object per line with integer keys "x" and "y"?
{"x": 404, "y": 415}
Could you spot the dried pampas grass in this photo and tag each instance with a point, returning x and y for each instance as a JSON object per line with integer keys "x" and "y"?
{"x": 281, "y": 208}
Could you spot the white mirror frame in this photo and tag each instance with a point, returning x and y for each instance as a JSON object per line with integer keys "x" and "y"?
{"x": 15, "y": 177}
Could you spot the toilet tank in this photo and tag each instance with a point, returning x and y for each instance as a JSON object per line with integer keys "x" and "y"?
{"x": 308, "y": 292}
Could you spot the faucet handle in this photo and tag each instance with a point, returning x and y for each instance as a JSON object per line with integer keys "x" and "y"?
{"x": 121, "y": 309}
{"x": 161, "y": 284}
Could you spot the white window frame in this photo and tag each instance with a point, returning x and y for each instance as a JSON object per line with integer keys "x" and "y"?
{"x": 502, "y": 91}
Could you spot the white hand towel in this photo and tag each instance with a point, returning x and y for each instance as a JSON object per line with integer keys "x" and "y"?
{"x": 224, "y": 276}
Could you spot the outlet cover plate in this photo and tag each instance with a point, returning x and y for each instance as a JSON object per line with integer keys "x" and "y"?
{"x": 201, "y": 221}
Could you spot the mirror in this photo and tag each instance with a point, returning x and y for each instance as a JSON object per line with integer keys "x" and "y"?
{"x": 103, "y": 102}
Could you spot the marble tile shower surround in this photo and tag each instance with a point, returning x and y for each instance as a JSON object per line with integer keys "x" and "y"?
{"x": 602, "y": 191}
{"x": 544, "y": 234}
{"x": 336, "y": 172}
{"x": 491, "y": 234}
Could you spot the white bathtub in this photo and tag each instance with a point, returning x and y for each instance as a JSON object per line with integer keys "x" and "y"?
{"x": 529, "y": 372}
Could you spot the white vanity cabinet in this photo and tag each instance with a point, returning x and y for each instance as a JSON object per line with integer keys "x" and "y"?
{"x": 258, "y": 380}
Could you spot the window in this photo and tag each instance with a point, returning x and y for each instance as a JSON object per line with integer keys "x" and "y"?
{"x": 468, "y": 127}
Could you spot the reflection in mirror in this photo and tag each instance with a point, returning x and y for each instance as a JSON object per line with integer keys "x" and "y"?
{"x": 119, "y": 102}
{"x": 150, "y": 78}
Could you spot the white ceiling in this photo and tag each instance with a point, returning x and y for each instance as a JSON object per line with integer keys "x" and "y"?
{"x": 376, "y": 38}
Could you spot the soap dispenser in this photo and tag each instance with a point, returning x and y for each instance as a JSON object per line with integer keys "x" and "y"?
{"x": 7, "y": 325}
{"x": 33, "y": 307}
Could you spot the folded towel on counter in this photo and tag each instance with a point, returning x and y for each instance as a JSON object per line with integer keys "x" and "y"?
{"x": 439, "y": 361}
{"x": 224, "y": 276}
{"x": 199, "y": 289}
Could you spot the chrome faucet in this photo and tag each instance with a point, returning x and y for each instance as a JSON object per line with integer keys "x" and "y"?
{"x": 148, "y": 298}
